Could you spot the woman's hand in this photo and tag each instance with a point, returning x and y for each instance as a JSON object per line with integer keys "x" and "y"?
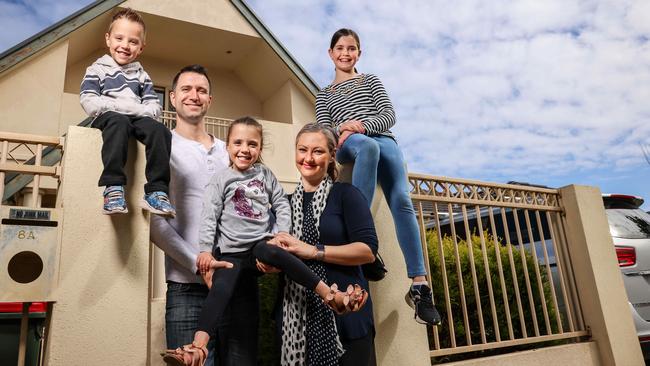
{"x": 295, "y": 246}
{"x": 274, "y": 240}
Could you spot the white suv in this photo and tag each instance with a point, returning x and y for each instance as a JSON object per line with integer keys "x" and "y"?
{"x": 630, "y": 230}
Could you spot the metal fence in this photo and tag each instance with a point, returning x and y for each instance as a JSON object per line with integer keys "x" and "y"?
{"x": 500, "y": 268}
{"x": 501, "y": 272}
{"x": 215, "y": 126}
{"x": 25, "y": 158}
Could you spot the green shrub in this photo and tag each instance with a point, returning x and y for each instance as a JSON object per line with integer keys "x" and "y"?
{"x": 472, "y": 310}
{"x": 268, "y": 351}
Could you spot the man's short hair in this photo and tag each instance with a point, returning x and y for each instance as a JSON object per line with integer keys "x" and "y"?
{"x": 193, "y": 68}
{"x": 129, "y": 14}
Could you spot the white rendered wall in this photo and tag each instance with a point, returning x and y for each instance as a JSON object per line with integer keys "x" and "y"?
{"x": 101, "y": 316}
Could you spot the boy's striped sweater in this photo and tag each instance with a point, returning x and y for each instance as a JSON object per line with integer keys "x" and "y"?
{"x": 126, "y": 89}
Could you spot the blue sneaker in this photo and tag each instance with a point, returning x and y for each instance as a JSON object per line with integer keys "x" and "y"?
{"x": 114, "y": 202}
{"x": 158, "y": 203}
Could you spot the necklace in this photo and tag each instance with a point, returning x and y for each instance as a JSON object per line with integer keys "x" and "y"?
{"x": 348, "y": 87}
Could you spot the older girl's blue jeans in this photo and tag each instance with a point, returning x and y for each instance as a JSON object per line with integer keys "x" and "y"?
{"x": 377, "y": 158}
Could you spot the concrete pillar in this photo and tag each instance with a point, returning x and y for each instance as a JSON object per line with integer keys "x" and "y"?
{"x": 598, "y": 277}
{"x": 101, "y": 313}
{"x": 399, "y": 340}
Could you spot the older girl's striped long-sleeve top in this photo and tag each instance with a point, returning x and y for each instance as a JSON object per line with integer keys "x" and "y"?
{"x": 362, "y": 98}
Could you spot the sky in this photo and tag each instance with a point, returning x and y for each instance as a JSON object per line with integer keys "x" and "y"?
{"x": 546, "y": 92}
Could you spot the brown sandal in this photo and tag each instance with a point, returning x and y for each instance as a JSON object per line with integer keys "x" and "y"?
{"x": 353, "y": 299}
{"x": 358, "y": 298}
{"x": 188, "y": 355}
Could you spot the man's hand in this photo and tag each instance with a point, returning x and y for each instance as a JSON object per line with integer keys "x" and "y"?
{"x": 203, "y": 262}
{"x": 213, "y": 265}
{"x": 207, "y": 277}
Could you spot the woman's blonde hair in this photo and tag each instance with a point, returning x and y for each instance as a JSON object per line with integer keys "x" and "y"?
{"x": 332, "y": 142}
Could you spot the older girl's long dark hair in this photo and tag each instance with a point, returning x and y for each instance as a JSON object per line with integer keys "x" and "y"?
{"x": 343, "y": 32}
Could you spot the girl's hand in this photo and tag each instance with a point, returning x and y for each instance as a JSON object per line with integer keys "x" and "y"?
{"x": 266, "y": 268}
{"x": 352, "y": 125}
{"x": 344, "y": 136}
{"x": 203, "y": 262}
{"x": 295, "y": 246}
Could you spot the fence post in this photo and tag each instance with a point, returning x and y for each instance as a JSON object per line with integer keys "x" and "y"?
{"x": 399, "y": 339}
{"x": 598, "y": 278}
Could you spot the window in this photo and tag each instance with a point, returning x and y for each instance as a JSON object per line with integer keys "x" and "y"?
{"x": 629, "y": 223}
{"x": 160, "y": 92}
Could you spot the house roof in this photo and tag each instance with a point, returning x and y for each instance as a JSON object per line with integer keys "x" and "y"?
{"x": 69, "y": 24}
{"x": 277, "y": 47}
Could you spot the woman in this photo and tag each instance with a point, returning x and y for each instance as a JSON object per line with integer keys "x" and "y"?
{"x": 335, "y": 218}
{"x": 246, "y": 242}
{"x": 357, "y": 106}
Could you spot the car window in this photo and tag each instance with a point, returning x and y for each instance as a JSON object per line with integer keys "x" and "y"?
{"x": 628, "y": 223}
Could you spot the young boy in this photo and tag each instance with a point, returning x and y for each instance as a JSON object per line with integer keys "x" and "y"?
{"x": 119, "y": 94}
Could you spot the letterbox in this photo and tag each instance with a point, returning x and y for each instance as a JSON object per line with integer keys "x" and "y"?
{"x": 29, "y": 253}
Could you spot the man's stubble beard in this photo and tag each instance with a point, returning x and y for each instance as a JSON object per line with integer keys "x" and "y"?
{"x": 194, "y": 121}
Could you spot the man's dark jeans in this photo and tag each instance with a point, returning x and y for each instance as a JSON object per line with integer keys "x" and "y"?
{"x": 184, "y": 304}
{"x": 236, "y": 341}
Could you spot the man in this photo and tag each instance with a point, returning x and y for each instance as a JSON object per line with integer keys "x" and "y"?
{"x": 195, "y": 157}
